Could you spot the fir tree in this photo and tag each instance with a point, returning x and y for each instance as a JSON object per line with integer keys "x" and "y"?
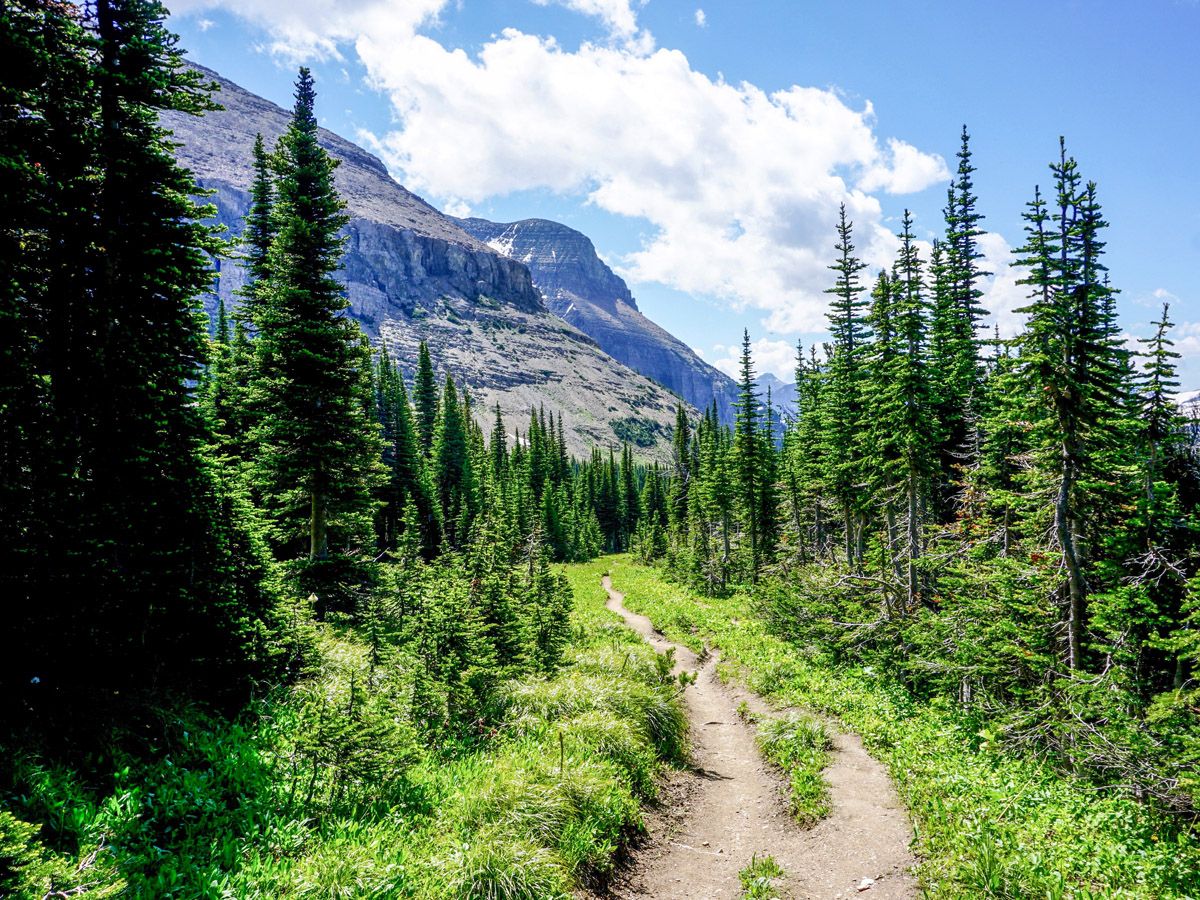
{"x": 681, "y": 473}
{"x": 151, "y": 575}
{"x": 747, "y": 450}
{"x": 453, "y": 472}
{"x": 425, "y": 398}
{"x": 259, "y": 231}
{"x": 849, "y": 335}
{"x": 1072, "y": 379}
{"x": 317, "y": 445}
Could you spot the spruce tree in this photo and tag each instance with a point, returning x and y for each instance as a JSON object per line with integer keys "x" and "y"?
{"x": 912, "y": 409}
{"x": 849, "y": 336}
{"x": 147, "y": 574}
{"x": 317, "y": 444}
{"x": 630, "y": 508}
{"x": 47, "y": 189}
{"x": 258, "y": 233}
{"x": 1162, "y": 422}
{"x": 425, "y": 399}
{"x": 1072, "y": 376}
{"x": 453, "y": 472}
{"x": 747, "y": 451}
{"x": 681, "y": 473}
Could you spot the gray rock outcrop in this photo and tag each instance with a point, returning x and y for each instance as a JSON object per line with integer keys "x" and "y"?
{"x": 580, "y": 288}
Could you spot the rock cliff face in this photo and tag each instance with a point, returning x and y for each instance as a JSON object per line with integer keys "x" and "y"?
{"x": 585, "y": 292}
{"x": 413, "y": 274}
{"x": 400, "y": 250}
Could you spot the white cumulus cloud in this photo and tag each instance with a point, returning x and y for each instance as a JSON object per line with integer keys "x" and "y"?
{"x": 701, "y": 18}
{"x": 775, "y": 356}
{"x": 739, "y": 185}
{"x": 302, "y": 29}
{"x": 618, "y": 16}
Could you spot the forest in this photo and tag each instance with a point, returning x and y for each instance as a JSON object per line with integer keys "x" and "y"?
{"x": 285, "y": 619}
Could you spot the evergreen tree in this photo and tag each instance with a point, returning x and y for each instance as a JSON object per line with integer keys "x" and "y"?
{"x": 913, "y": 411}
{"x": 453, "y": 472}
{"x": 151, "y": 576}
{"x": 1162, "y": 422}
{"x": 681, "y": 473}
{"x": 317, "y": 444}
{"x": 849, "y": 336}
{"x": 630, "y": 507}
{"x": 425, "y": 398}
{"x": 747, "y": 451}
{"x": 1071, "y": 377}
{"x": 258, "y": 233}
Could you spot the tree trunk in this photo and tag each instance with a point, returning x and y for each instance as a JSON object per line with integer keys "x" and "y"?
{"x": 892, "y": 539}
{"x": 818, "y": 529}
{"x": 849, "y": 520}
{"x": 318, "y": 532}
{"x": 914, "y": 539}
{"x": 1076, "y": 587}
{"x": 860, "y": 540}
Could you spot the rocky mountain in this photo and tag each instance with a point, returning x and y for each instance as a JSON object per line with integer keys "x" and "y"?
{"x": 582, "y": 290}
{"x": 412, "y": 274}
{"x": 783, "y": 395}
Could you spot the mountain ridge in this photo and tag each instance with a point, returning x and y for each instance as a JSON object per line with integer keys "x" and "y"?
{"x": 411, "y": 274}
{"x": 579, "y": 287}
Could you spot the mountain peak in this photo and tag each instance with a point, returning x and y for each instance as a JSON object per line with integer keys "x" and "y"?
{"x": 566, "y": 260}
{"x": 579, "y": 287}
{"x": 412, "y": 273}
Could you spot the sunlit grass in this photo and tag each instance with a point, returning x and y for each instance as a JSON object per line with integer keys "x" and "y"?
{"x": 759, "y": 879}
{"x": 986, "y": 823}
{"x": 283, "y": 804}
{"x": 799, "y": 744}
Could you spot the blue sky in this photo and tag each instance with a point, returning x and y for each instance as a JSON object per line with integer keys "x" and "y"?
{"x": 704, "y": 146}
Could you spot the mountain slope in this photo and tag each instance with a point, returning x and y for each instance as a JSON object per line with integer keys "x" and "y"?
{"x": 783, "y": 395}
{"x": 585, "y": 292}
{"x": 411, "y": 273}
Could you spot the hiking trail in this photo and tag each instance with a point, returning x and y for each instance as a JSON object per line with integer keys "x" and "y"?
{"x": 730, "y": 805}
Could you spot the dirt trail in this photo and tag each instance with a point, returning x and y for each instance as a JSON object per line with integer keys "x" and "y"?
{"x": 730, "y": 806}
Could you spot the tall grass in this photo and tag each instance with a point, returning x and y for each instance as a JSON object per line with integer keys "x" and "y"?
{"x": 799, "y": 744}
{"x": 325, "y": 791}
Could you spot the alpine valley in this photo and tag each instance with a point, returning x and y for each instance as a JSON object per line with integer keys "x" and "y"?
{"x": 524, "y": 315}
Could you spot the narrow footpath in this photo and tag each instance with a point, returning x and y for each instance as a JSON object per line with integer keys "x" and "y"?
{"x": 730, "y": 805}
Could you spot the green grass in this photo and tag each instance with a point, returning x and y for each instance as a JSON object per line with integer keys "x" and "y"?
{"x": 799, "y": 745}
{"x": 759, "y": 879}
{"x": 293, "y": 802}
{"x": 987, "y": 823}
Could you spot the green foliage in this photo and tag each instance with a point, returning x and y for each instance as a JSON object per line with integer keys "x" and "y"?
{"x": 799, "y": 745}
{"x": 129, "y": 563}
{"x": 637, "y": 431}
{"x": 314, "y": 466}
{"x": 759, "y": 878}
{"x": 983, "y": 814}
{"x": 346, "y": 784}
{"x": 29, "y": 872}
{"x": 1007, "y": 526}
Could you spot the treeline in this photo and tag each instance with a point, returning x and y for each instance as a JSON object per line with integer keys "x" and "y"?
{"x": 1008, "y": 525}
{"x": 182, "y": 499}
